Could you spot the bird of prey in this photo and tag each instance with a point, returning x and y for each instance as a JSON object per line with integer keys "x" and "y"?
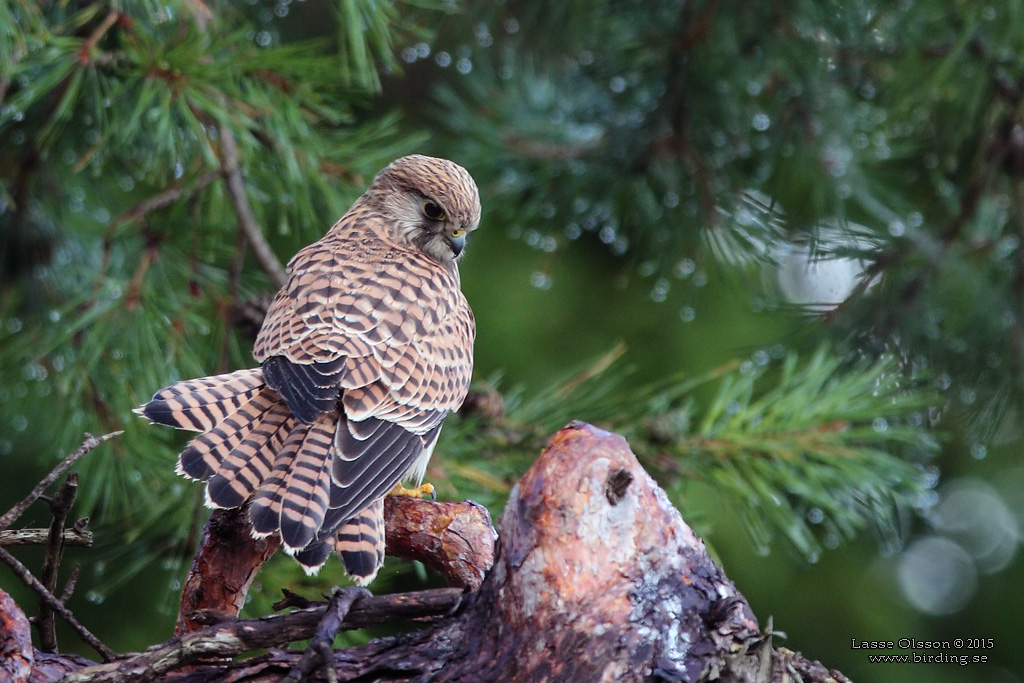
{"x": 363, "y": 353}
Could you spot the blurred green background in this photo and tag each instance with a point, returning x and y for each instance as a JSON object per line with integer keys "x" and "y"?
{"x": 706, "y": 189}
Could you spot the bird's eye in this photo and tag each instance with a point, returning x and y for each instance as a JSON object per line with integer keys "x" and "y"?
{"x": 433, "y": 211}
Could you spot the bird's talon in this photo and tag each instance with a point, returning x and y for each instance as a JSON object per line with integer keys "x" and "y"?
{"x": 418, "y": 492}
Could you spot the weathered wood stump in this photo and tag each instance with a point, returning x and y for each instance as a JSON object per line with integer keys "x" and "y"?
{"x": 596, "y": 578}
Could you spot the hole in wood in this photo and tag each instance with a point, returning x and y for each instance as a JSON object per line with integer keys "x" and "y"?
{"x": 615, "y": 487}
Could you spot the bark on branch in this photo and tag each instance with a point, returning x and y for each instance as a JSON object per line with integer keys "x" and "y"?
{"x": 72, "y": 537}
{"x": 233, "y": 637}
{"x": 596, "y": 578}
{"x": 456, "y": 539}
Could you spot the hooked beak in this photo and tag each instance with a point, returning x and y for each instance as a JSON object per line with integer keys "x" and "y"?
{"x": 457, "y": 244}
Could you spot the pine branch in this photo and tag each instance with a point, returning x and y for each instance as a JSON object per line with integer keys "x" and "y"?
{"x": 246, "y": 221}
{"x": 807, "y": 447}
{"x": 165, "y": 198}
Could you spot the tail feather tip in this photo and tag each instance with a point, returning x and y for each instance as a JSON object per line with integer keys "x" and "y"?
{"x": 220, "y": 493}
{"x": 360, "y": 565}
{"x": 260, "y": 535}
{"x": 311, "y": 571}
{"x": 209, "y": 502}
{"x": 363, "y": 580}
{"x": 159, "y": 412}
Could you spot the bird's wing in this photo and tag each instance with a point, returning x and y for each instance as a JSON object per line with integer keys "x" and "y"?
{"x": 391, "y": 330}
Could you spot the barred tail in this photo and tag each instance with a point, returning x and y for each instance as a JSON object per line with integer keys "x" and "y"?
{"x": 200, "y": 404}
{"x": 293, "y": 499}
{"x": 245, "y": 425}
{"x": 253, "y": 447}
{"x": 249, "y": 464}
{"x": 359, "y": 542}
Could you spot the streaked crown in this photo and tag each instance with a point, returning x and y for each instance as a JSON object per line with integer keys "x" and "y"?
{"x": 440, "y": 180}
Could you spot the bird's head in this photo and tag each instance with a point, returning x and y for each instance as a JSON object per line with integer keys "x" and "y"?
{"x": 433, "y": 204}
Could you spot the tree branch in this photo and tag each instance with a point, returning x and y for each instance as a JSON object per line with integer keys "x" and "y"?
{"x": 56, "y": 605}
{"x": 233, "y": 637}
{"x": 246, "y": 220}
{"x": 89, "y": 444}
{"x": 319, "y": 650}
{"x": 16, "y": 655}
{"x": 164, "y": 198}
{"x": 69, "y": 585}
{"x": 60, "y": 505}
{"x": 456, "y": 539}
{"x": 72, "y": 537}
{"x": 223, "y": 569}
{"x": 597, "y": 578}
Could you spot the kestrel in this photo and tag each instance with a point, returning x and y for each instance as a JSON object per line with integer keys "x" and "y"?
{"x": 363, "y": 353}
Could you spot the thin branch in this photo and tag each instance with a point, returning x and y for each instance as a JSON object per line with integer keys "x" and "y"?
{"x": 164, "y": 198}
{"x": 85, "y": 54}
{"x": 246, "y": 220}
{"x": 223, "y": 568}
{"x": 72, "y": 537}
{"x": 291, "y": 599}
{"x": 69, "y": 586}
{"x": 89, "y": 444}
{"x": 235, "y": 284}
{"x": 60, "y": 505}
{"x": 233, "y": 637}
{"x": 32, "y": 582}
{"x": 318, "y": 652}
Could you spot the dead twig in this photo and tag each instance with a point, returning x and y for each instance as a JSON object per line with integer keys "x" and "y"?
{"x": 22, "y": 572}
{"x": 69, "y": 585}
{"x": 60, "y": 505}
{"x": 56, "y": 537}
{"x": 72, "y": 537}
{"x": 319, "y": 651}
{"x": 89, "y": 444}
{"x": 291, "y": 599}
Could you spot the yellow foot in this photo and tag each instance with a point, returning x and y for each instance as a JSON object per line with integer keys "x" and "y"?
{"x": 418, "y": 492}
